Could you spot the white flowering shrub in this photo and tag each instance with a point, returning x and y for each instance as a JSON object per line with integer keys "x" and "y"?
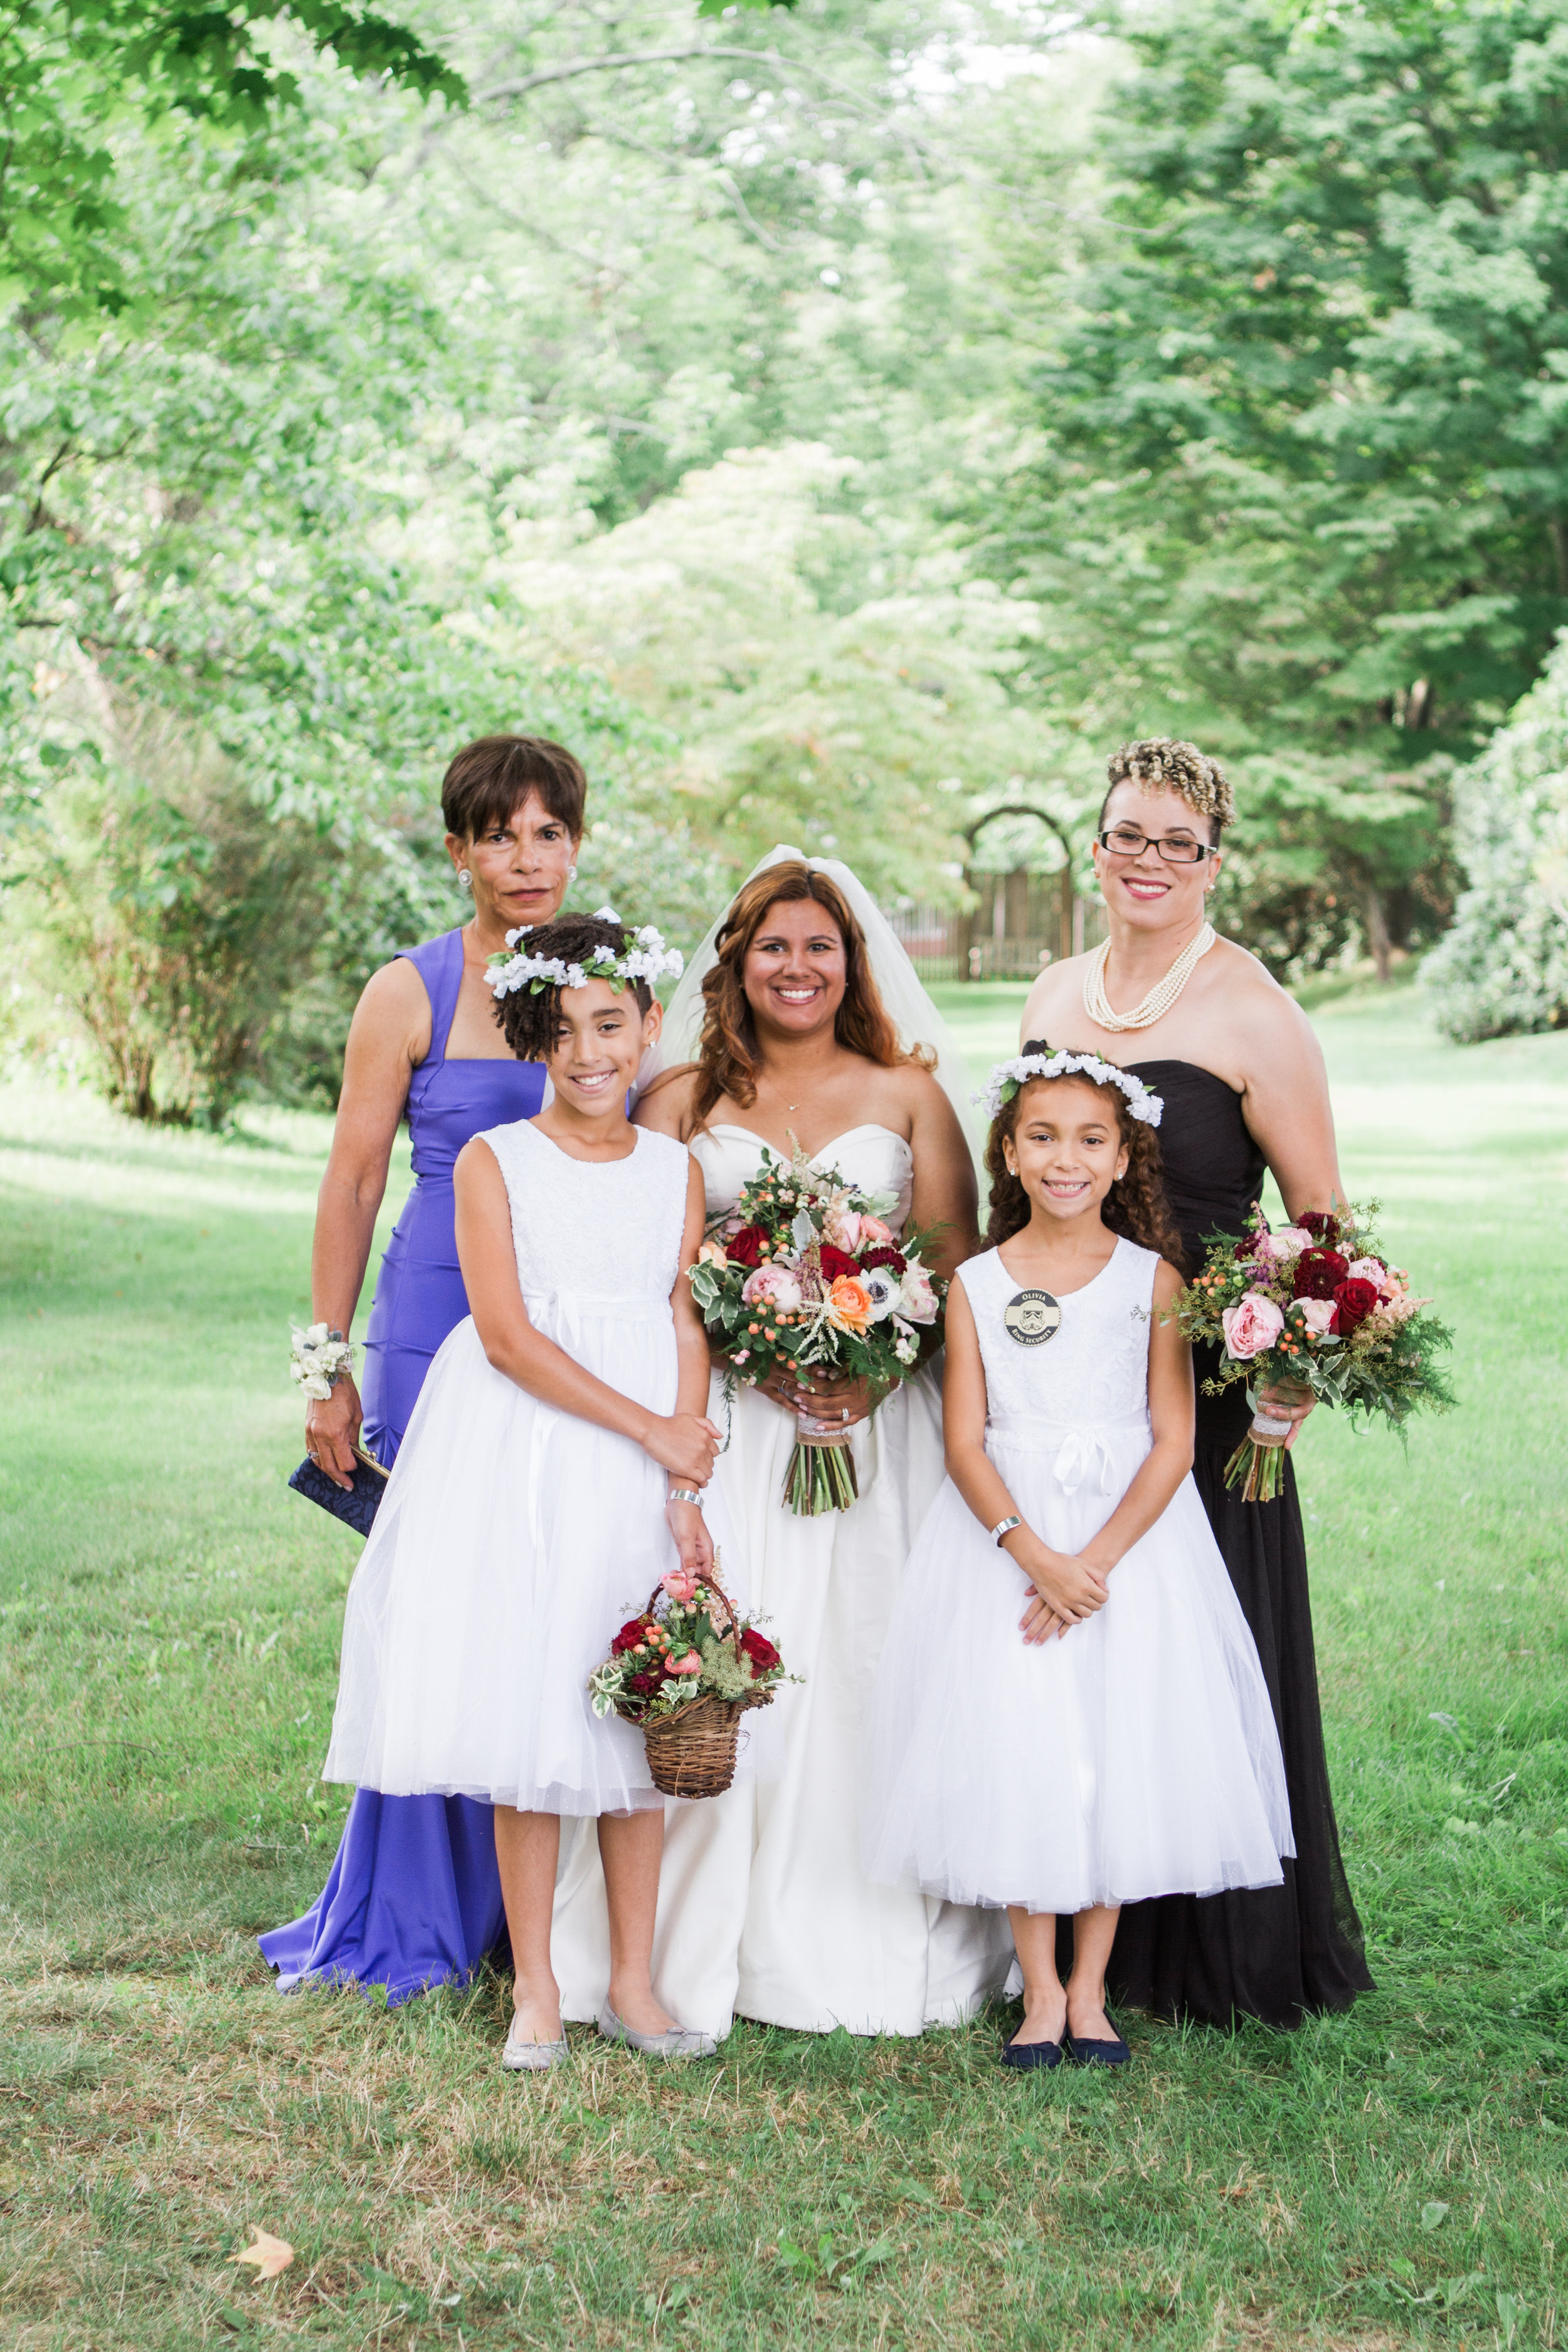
{"x": 1504, "y": 965}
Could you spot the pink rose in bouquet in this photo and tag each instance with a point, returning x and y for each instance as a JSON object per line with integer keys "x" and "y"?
{"x": 917, "y": 1298}
{"x": 1367, "y": 1269}
{"x": 1282, "y": 1248}
{"x": 1318, "y": 1315}
{"x": 843, "y": 1227}
{"x": 680, "y": 1585}
{"x": 775, "y": 1288}
{"x": 1251, "y": 1325}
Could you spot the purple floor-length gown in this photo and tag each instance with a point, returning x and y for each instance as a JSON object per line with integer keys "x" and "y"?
{"x": 412, "y": 1897}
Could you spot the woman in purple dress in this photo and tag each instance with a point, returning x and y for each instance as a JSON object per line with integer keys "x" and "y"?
{"x": 412, "y": 1897}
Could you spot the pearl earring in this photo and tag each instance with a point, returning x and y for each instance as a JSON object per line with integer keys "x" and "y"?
{"x": 465, "y": 879}
{"x": 571, "y": 874}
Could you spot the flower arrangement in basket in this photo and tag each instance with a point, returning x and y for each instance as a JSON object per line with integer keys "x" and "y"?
{"x": 1317, "y": 1304}
{"x": 685, "y": 1670}
{"x": 803, "y": 1273}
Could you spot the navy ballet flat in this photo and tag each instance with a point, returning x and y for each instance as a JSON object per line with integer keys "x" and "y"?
{"x": 1028, "y": 2055}
{"x": 1113, "y": 2052}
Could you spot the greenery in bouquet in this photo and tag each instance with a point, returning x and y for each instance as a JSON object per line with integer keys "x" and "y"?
{"x": 804, "y": 1274}
{"x": 1319, "y": 1304}
{"x": 687, "y": 1644}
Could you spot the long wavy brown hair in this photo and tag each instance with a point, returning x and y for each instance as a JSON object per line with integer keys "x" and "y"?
{"x": 729, "y": 1057}
{"x": 1135, "y": 1204}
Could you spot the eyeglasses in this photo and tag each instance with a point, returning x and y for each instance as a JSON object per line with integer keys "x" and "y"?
{"x": 1176, "y": 848}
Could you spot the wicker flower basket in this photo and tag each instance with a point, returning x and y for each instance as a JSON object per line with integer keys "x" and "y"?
{"x": 692, "y": 1752}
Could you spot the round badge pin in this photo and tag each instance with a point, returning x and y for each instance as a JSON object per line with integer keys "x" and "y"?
{"x": 1032, "y": 1317}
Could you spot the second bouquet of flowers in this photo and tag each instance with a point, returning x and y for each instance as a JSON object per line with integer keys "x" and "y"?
{"x": 684, "y": 1671}
{"x": 804, "y": 1274}
{"x": 1317, "y": 1305}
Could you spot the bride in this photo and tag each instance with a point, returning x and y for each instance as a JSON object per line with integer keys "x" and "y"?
{"x": 802, "y": 1020}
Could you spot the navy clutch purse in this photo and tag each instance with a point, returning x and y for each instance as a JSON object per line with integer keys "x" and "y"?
{"x": 357, "y": 1504}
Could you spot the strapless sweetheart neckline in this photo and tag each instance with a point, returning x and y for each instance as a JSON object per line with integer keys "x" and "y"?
{"x": 867, "y": 1127}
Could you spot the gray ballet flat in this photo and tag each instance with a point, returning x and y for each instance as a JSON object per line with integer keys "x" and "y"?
{"x": 680, "y": 2042}
{"x": 520, "y": 2057}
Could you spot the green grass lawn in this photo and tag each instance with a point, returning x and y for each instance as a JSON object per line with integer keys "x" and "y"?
{"x": 169, "y": 1617}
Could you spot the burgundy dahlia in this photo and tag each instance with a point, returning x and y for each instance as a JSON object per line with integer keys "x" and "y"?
{"x": 1324, "y": 1228}
{"x": 887, "y": 1256}
{"x": 1318, "y": 1273}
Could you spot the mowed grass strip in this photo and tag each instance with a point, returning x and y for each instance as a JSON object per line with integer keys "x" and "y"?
{"x": 169, "y": 1619}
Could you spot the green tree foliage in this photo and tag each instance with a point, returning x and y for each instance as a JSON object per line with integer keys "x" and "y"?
{"x": 71, "y": 70}
{"x": 1504, "y": 965}
{"x": 1302, "y": 476}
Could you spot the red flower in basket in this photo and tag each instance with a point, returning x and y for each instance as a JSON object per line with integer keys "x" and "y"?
{"x": 1318, "y": 1273}
{"x": 1354, "y": 1301}
{"x": 759, "y": 1651}
{"x": 836, "y": 1261}
{"x": 894, "y": 1260}
{"x": 631, "y": 1634}
{"x": 745, "y": 1248}
{"x": 643, "y": 1683}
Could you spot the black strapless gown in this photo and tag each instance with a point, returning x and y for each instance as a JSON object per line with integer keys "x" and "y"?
{"x": 1274, "y": 1953}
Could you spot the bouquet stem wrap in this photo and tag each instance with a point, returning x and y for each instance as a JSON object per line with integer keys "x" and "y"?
{"x": 1257, "y": 1466}
{"x": 820, "y": 1472}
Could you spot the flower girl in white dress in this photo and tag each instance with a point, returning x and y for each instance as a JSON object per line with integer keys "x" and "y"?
{"x": 1071, "y": 1714}
{"x": 548, "y": 1480}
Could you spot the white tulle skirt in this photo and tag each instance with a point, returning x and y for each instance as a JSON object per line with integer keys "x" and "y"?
{"x": 1135, "y": 1756}
{"x": 512, "y": 1543}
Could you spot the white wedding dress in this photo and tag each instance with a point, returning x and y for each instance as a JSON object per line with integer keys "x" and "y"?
{"x": 765, "y": 1909}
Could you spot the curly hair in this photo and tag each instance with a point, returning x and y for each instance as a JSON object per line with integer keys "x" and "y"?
{"x": 1167, "y": 765}
{"x": 1135, "y": 1204}
{"x": 528, "y": 1018}
{"x": 729, "y": 1057}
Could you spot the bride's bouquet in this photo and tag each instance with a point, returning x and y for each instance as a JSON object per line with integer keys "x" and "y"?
{"x": 1319, "y": 1304}
{"x": 684, "y": 1671}
{"x": 802, "y": 1274}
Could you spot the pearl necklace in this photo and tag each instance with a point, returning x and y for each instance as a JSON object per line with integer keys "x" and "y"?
{"x": 1161, "y": 997}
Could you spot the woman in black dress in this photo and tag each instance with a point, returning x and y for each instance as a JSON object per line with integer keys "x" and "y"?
{"x": 1244, "y": 1092}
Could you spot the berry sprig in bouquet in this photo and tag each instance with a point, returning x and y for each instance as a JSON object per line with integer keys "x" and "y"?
{"x": 802, "y": 1273}
{"x": 1319, "y": 1304}
{"x": 684, "y": 1671}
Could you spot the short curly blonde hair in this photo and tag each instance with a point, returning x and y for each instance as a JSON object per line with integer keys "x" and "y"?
{"x": 1165, "y": 765}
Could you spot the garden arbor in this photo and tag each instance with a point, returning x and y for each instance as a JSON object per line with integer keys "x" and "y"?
{"x": 972, "y": 955}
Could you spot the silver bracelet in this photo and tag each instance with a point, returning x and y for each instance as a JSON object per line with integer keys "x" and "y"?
{"x": 1005, "y": 1528}
{"x": 684, "y": 1495}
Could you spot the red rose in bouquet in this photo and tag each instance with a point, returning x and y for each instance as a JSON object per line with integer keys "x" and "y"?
{"x": 759, "y": 1651}
{"x": 745, "y": 1248}
{"x": 894, "y": 1260}
{"x": 631, "y": 1634}
{"x": 836, "y": 1261}
{"x": 1318, "y": 1273}
{"x": 1353, "y": 1300}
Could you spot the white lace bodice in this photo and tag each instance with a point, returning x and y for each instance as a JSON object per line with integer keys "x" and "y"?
{"x": 1096, "y": 1368}
{"x": 608, "y": 1230}
{"x": 870, "y": 1159}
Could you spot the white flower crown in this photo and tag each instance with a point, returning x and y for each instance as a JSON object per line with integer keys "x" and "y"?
{"x": 643, "y": 956}
{"x": 1007, "y": 1077}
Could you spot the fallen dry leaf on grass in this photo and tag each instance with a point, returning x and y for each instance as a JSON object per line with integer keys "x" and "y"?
{"x": 270, "y": 2255}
